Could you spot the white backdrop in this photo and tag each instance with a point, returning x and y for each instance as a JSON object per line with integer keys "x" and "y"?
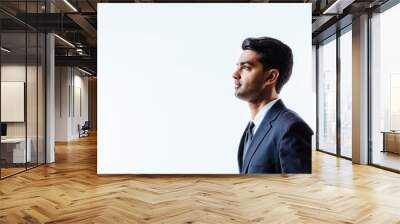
{"x": 166, "y": 101}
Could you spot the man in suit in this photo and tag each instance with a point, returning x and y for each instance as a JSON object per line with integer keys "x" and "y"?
{"x": 276, "y": 140}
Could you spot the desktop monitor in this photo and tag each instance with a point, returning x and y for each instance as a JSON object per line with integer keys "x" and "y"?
{"x": 3, "y": 129}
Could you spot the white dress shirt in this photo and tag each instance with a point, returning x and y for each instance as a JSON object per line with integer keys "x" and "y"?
{"x": 261, "y": 114}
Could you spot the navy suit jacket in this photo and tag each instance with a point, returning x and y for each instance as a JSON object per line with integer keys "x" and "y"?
{"x": 281, "y": 144}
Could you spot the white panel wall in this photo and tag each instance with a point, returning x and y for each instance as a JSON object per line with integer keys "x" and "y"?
{"x": 69, "y": 82}
{"x": 61, "y": 103}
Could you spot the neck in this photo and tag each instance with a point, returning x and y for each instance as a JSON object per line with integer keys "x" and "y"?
{"x": 256, "y": 106}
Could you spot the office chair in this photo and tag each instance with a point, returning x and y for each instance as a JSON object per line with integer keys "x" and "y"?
{"x": 84, "y": 130}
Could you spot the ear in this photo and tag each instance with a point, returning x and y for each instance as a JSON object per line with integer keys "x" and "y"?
{"x": 272, "y": 75}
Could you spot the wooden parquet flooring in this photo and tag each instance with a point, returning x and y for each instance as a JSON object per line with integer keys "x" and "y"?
{"x": 70, "y": 191}
{"x": 10, "y": 171}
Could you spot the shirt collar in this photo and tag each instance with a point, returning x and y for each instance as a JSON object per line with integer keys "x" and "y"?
{"x": 261, "y": 114}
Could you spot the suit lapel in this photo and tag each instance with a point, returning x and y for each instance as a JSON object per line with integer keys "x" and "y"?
{"x": 262, "y": 131}
{"x": 241, "y": 148}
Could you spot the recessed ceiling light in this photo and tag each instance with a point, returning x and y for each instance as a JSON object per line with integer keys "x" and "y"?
{"x": 64, "y": 40}
{"x": 70, "y": 5}
{"x": 84, "y": 71}
{"x": 5, "y": 50}
{"x": 338, "y": 6}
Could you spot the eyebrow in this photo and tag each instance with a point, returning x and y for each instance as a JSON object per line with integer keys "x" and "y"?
{"x": 245, "y": 62}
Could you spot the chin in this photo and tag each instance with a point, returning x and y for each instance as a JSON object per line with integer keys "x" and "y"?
{"x": 240, "y": 95}
{"x": 237, "y": 93}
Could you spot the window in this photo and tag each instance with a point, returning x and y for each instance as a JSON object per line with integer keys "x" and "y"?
{"x": 385, "y": 89}
{"x": 327, "y": 96}
{"x": 346, "y": 94}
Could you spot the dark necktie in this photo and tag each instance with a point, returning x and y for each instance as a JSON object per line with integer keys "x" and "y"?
{"x": 247, "y": 140}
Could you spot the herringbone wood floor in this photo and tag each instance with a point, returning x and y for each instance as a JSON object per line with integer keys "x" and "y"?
{"x": 70, "y": 191}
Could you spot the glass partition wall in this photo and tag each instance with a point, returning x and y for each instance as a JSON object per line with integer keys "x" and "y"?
{"x": 13, "y": 110}
{"x": 22, "y": 98}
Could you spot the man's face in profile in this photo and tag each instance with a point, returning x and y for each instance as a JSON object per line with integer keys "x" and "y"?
{"x": 249, "y": 77}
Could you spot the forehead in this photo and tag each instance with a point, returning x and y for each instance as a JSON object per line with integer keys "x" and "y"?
{"x": 248, "y": 55}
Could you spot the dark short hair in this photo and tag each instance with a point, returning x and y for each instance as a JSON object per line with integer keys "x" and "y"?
{"x": 273, "y": 55}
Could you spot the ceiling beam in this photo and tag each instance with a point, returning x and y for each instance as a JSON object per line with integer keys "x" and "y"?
{"x": 84, "y": 24}
{"x": 85, "y": 61}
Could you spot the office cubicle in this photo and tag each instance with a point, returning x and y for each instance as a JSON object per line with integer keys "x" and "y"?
{"x": 22, "y": 77}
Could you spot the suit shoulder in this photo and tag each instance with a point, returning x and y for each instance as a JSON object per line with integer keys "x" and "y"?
{"x": 289, "y": 119}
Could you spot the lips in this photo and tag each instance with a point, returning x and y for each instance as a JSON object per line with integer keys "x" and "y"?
{"x": 237, "y": 84}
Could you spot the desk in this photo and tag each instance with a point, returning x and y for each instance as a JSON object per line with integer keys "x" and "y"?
{"x": 15, "y": 148}
{"x": 391, "y": 141}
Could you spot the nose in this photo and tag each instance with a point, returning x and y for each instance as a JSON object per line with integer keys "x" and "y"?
{"x": 236, "y": 74}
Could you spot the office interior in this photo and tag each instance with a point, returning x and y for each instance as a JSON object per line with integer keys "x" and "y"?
{"x": 49, "y": 78}
{"x": 45, "y": 82}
